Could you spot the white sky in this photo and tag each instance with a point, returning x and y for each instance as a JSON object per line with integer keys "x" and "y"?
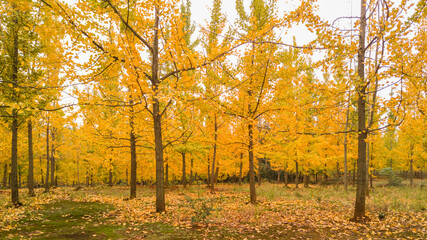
{"x": 328, "y": 10}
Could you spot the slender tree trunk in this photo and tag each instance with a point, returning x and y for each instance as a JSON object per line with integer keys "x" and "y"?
{"x": 127, "y": 176}
{"x": 5, "y": 176}
{"x": 52, "y": 160}
{"x": 212, "y": 177}
{"x": 240, "y": 171}
{"x": 259, "y": 172}
{"x": 216, "y": 175}
{"x": 30, "y": 180}
{"x": 110, "y": 177}
{"x": 157, "y": 119}
{"x": 133, "y": 166}
{"x": 47, "y": 157}
{"x": 411, "y": 176}
{"x": 167, "y": 175}
{"x": 251, "y": 164}
{"x": 184, "y": 177}
{"x": 359, "y": 209}
{"x": 78, "y": 167}
{"x": 278, "y": 176}
{"x": 368, "y": 150}
{"x": 209, "y": 174}
{"x": 305, "y": 181}
{"x": 296, "y": 174}
{"x": 191, "y": 171}
{"x": 346, "y": 142}
{"x": 14, "y": 157}
{"x": 286, "y": 178}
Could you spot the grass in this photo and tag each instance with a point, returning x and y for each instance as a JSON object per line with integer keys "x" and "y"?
{"x": 317, "y": 212}
{"x": 65, "y": 220}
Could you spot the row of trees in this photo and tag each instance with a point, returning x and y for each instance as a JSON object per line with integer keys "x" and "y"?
{"x": 152, "y": 92}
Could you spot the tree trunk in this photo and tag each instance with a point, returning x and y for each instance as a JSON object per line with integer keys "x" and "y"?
{"x": 127, "y": 176}
{"x": 278, "y": 176}
{"x": 30, "y": 180}
{"x": 5, "y": 176}
{"x": 411, "y": 176}
{"x": 184, "y": 177}
{"x": 110, "y": 176}
{"x": 305, "y": 181}
{"x": 47, "y": 157}
{"x": 14, "y": 157}
{"x": 216, "y": 175}
{"x": 359, "y": 209}
{"x": 132, "y": 161}
{"x": 346, "y": 142}
{"x": 167, "y": 175}
{"x": 157, "y": 119}
{"x": 52, "y": 163}
{"x": 286, "y": 178}
{"x": 259, "y": 172}
{"x": 191, "y": 171}
{"x": 251, "y": 164}
{"x": 296, "y": 174}
{"x": 209, "y": 174}
{"x": 240, "y": 171}
{"x": 212, "y": 176}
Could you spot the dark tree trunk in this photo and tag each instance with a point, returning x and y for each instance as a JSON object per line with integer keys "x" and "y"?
{"x": 52, "y": 163}
{"x": 209, "y": 174}
{"x": 359, "y": 209}
{"x": 251, "y": 164}
{"x": 110, "y": 177}
{"x": 259, "y": 172}
{"x": 296, "y": 175}
{"x": 216, "y": 175}
{"x": 286, "y": 178}
{"x": 133, "y": 166}
{"x": 212, "y": 176}
{"x": 5, "y": 176}
{"x": 127, "y": 176}
{"x": 305, "y": 181}
{"x": 14, "y": 157}
{"x": 184, "y": 177}
{"x": 47, "y": 157}
{"x": 191, "y": 171}
{"x": 167, "y": 175}
{"x": 240, "y": 171}
{"x": 30, "y": 180}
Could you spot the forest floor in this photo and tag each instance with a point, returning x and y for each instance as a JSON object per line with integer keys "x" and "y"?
{"x": 317, "y": 212}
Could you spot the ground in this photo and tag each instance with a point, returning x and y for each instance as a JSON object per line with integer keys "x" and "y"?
{"x": 317, "y": 212}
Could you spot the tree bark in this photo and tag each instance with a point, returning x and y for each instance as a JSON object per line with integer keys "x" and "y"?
{"x": 167, "y": 175}
{"x": 47, "y": 157}
{"x": 296, "y": 174}
{"x": 5, "y": 176}
{"x": 305, "y": 181}
{"x": 191, "y": 171}
{"x": 184, "y": 177}
{"x": 14, "y": 158}
{"x": 252, "y": 189}
{"x": 30, "y": 180}
{"x": 133, "y": 163}
{"x": 52, "y": 160}
{"x": 286, "y": 178}
{"x": 212, "y": 176}
{"x": 359, "y": 209}
{"x": 240, "y": 171}
{"x": 14, "y": 162}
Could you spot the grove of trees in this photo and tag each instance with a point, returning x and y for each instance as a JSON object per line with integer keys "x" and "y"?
{"x": 136, "y": 92}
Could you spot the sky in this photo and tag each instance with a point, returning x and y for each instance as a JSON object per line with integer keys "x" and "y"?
{"x": 328, "y": 10}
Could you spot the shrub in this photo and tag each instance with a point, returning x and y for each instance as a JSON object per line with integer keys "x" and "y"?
{"x": 393, "y": 180}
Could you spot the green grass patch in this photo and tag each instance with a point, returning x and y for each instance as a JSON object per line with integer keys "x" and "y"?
{"x": 66, "y": 220}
